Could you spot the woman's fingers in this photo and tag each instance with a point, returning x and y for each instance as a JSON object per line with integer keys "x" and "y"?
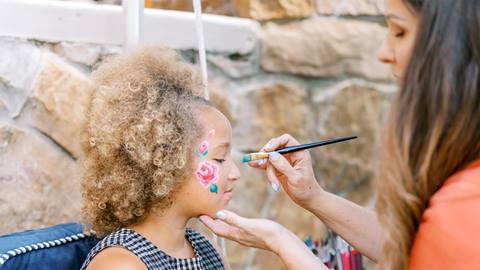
{"x": 283, "y": 141}
{"x": 272, "y": 177}
{"x": 213, "y": 225}
{"x": 259, "y": 164}
{"x": 219, "y": 227}
{"x": 272, "y": 145}
{"x": 232, "y": 219}
{"x": 259, "y": 233}
{"x": 281, "y": 164}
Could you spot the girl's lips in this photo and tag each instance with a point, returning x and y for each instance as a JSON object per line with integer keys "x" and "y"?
{"x": 228, "y": 193}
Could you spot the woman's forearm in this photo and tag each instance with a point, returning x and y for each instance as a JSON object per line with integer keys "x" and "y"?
{"x": 357, "y": 225}
{"x": 295, "y": 254}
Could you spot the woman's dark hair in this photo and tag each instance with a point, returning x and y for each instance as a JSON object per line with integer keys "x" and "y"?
{"x": 434, "y": 126}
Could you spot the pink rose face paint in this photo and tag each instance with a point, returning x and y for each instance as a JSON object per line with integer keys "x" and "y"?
{"x": 207, "y": 172}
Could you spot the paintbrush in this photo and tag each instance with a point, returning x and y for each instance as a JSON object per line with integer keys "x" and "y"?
{"x": 290, "y": 149}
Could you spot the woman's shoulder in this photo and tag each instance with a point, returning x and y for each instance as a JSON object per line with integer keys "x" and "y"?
{"x": 448, "y": 235}
{"x": 460, "y": 187}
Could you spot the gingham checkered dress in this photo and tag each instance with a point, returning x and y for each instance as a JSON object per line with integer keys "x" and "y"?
{"x": 206, "y": 257}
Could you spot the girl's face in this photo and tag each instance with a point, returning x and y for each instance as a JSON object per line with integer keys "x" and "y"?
{"x": 210, "y": 188}
{"x": 402, "y": 22}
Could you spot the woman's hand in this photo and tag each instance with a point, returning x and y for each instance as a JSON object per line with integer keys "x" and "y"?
{"x": 357, "y": 225}
{"x": 258, "y": 233}
{"x": 264, "y": 234}
{"x": 293, "y": 171}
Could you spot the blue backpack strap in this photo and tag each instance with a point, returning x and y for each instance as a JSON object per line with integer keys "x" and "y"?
{"x": 63, "y": 246}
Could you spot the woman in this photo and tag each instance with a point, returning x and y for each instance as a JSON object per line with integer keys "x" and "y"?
{"x": 428, "y": 188}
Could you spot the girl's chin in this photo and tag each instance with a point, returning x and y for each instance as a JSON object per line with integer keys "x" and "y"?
{"x": 221, "y": 203}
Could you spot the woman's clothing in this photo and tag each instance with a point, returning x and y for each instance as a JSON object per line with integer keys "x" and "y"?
{"x": 206, "y": 256}
{"x": 449, "y": 234}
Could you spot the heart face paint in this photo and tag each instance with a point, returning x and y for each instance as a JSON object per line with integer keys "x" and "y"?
{"x": 211, "y": 134}
{"x": 207, "y": 173}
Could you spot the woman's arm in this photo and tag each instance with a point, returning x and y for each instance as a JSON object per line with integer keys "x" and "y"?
{"x": 359, "y": 226}
{"x": 295, "y": 254}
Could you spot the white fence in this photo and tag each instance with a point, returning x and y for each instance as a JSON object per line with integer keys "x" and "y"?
{"x": 104, "y": 24}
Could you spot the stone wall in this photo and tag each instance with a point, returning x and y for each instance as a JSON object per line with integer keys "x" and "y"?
{"x": 314, "y": 75}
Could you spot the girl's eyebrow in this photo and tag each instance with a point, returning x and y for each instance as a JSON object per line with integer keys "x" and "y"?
{"x": 223, "y": 144}
{"x": 222, "y": 148}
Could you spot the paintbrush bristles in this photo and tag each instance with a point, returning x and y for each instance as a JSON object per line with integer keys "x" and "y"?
{"x": 254, "y": 156}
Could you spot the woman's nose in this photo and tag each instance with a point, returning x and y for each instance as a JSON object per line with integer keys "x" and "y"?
{"x": 386, "y": 55}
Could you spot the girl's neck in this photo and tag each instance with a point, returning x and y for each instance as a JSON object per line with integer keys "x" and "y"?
{"x": 167, "y": 231}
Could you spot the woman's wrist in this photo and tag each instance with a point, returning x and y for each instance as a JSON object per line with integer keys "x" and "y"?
{"x": 280, "y": 235}
{"x": 317, "y": 195}
{"x": 293, "y": 251}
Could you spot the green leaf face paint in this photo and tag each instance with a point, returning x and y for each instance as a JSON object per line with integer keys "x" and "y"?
{"x": 213, "y": 188}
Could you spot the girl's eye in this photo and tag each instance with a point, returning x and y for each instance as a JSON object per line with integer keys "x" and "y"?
{"x": 219, "y": 160}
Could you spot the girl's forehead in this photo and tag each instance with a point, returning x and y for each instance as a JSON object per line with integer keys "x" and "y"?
{"x": 215, "y": 125}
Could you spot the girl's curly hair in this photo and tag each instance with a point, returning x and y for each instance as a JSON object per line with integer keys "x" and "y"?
{"x": 140, "y": 132}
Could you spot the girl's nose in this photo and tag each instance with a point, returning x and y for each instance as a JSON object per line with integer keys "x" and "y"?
{"x": 234, "y": 174}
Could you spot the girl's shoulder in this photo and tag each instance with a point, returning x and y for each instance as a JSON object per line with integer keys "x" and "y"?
{"x": 115, "y": 258}
{"x": 136, "y": 250}
{"x": 115, "y": 247}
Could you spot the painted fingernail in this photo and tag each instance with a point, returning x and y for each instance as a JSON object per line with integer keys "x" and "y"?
{"x": 275, "y": 186}
{"x": 221, "y": 215}
{"x": 274, "y": 156}
{"x": 261, "y": 162}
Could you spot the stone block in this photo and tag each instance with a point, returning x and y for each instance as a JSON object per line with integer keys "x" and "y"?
{"x": 59, "y": 103}
{"x": 19, "y": 67}
{"x": 274, "y": 9}
{"x": 325, "y": 47}
{"x": 83, "y": 53}
{"x": 350, "y": 108}
{"x": 39, "y": 183}
{"x": 268, "y": 110}
{"x": 350, "y": 7}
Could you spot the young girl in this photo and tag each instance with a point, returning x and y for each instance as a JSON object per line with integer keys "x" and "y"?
{"x": 158, "y": 155}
